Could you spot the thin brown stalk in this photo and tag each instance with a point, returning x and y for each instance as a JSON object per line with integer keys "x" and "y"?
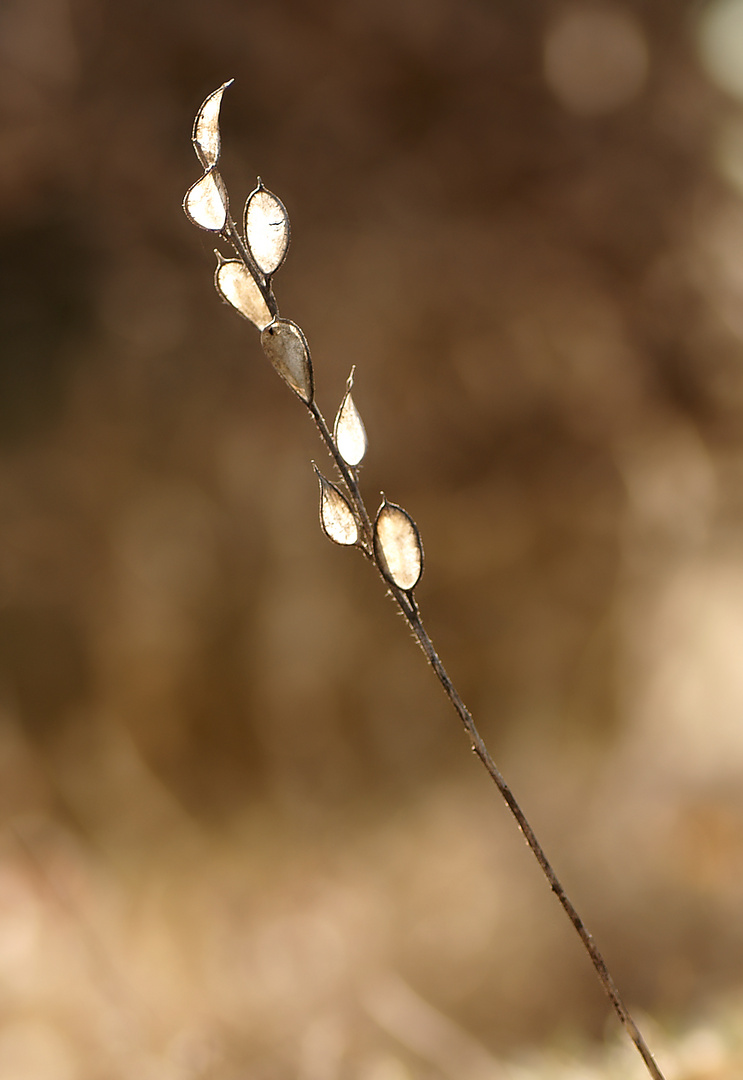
{"x": 352, "y": 523}
{"x": 410, "y": 610}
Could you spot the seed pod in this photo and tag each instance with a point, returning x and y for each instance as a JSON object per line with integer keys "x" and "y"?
{"x": 206, "y": 138}
{"x": 266, "y": 229}
{"x": 398, "y": 547}
{"x": 235, "y": 284}
{"x": 286, "y": 347}
{"x": 337, "y": 519}
{"x": 348, "y": 430}
{"x": 206, "y": 203}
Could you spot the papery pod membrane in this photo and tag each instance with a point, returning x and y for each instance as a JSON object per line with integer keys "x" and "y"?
{"x": 266, "y": 229}
{"x": 336, "y": 516}
{"x": 235, "y": 284}
{"x": 286, "y": 347}
{"x": 398, "y": 547}
{"x": 206, "y": 203}
{"x": 206, "y": 138}
{"x": 348, "y": 431}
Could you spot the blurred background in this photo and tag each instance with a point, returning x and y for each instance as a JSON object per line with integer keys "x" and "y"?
{"x": 241, "y": 835}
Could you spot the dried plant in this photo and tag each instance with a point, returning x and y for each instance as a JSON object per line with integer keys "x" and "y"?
{"x": 391, "y": 542}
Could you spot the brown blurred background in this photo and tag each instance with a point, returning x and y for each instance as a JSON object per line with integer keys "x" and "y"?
{"x": 241, "y": 835}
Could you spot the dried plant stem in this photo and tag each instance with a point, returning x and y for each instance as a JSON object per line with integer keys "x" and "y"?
{"x": 393, "y": 538}
{"x": 410, "y": 610}
{"x": 481, "y": 750}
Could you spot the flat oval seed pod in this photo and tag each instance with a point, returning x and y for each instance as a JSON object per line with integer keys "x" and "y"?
{"x": 336, "y": 516}
{"x": 349, "y": 433}
{"x": 286, "y": 347}
{"x": 397, "y": 544}
{"x": 266, "y": 229}
{"x": 206, "y": 202}
{"x": 235, "y": 284}
{"x": 206, "y": 138}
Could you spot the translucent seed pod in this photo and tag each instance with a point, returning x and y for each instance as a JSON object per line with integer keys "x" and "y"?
{"x": 348, "y": 430}
{"x": 286, "y": 347}
{"x": 398, "y": 547}
{"x": 206, "y": 139}
{"x": 206, "y": 203}
{"x": 235, "y": 284}
{"x": 266, "y": 225}
{"x": 337, "y": 519}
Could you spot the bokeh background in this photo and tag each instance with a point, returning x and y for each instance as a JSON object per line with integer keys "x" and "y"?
{"x": 241, "y": 835}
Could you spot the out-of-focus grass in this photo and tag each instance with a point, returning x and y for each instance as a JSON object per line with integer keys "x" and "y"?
{"x": 240, "y": 835}
{"x": 396, "y": 950}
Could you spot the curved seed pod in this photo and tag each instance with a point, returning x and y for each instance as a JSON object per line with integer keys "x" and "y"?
{"x": 235, "y": 284}
{"x": 398, "y": 547}
{"x": 206, "y": 138}
{"x": 266, "y": 229}
{"x": 337, "y": 519}
{"x": 348, "y": 430}
{"x": 206, "y": 203}
{"x": 286, "y": 347}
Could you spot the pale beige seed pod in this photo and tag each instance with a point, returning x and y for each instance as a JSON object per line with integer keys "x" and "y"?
{"x": 337, "y": 519}
{"x": 206, "y": 203}
{"x": 398, "y": 546}
{"x": 348, "y": 430}
{"x": 235, "y": 284}
{"x": 266, "y": 226}
{"x": 206, "y": 138}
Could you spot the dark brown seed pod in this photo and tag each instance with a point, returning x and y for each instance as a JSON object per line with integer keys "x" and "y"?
{"x": 286, "y": 347}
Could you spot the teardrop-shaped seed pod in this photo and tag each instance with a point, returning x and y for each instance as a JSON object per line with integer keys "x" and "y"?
{"x": 235, "y": 284}
{"x": 206, "y": 203}
{"x": 286, "y": 347}
{"x": 337, "y": 519}
{"x": 266, "y": 229}
{"x": 348, "y": 431}
{"x": 398, "y": 547}
{"x": 206, "y": 138}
